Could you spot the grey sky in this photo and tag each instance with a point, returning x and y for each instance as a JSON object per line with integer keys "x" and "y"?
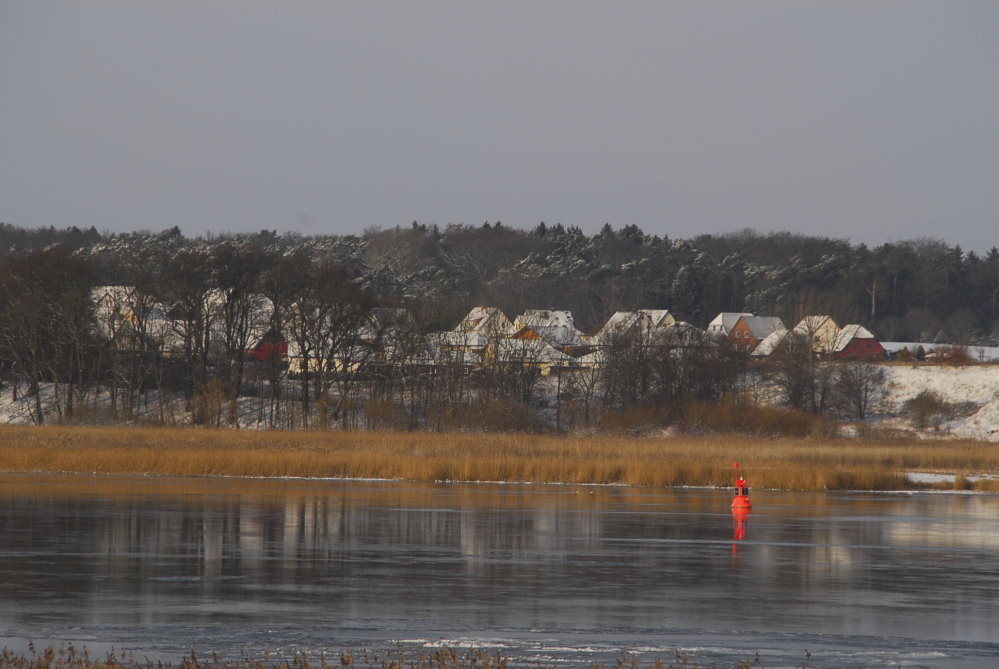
{"x": 872, "y": 121}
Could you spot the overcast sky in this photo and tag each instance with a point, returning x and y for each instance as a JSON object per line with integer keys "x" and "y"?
{"x": 871, "y": 121}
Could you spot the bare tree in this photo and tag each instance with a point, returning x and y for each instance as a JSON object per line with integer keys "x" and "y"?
{"x": 325, "y": 325}
{"x": 47, "y": 326}
{"x": 191, "y": 302}
{"x": 859, "y": 386}
{"x": 794, "y": 368}
{"x": 283, "y": 285}
{"x": 242, "y": 312}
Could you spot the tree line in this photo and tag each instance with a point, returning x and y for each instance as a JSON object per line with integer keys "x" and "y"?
{"x": 321, "y": 290}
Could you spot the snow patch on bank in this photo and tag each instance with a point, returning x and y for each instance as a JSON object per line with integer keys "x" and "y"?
{"x": 975, "y": 387}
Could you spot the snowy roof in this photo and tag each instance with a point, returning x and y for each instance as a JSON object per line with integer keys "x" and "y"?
{"x": 848, "y": 333}
{"x": 620, "y": 322}
{"x": 761, "y": 326}
{"x": 810, "y": 325}
{"x": 771, "y": 342}
{"x": 659, "y": 317}
{"x": 820, "y": 330}
{"x": 556, "y": 335}
{"x": 623, "y": 321}
{"x": 545, "y": 317}
{"x": 489, "y": 320}
{"x": 725, "y": 321}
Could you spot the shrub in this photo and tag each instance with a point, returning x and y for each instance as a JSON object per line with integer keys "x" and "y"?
{"x": 924, "y": 409}
{"x": 954, "y": 355}
{"x": 498, "y": 416}
{"x": 733, "y": 416}
{"x": 634, "y": 420}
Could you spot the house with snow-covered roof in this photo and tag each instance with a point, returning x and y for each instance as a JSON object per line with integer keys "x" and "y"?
{"x": 820, "y": 331}
{"x": 855, "y": 342}
{"x": 748, "y": 331}
{"x": 560, "y": 337}
{"x": 476, "y": 329}
{"x": 545, "y": 318}
{"x": 658, "y": 318}
{"x": 556, "y": 327}
{"x": 722, "y": 324}
{"x": 640, "y": 322}
{"x": 485, "y": 320}
{"x": 777, "y": 340}
{"x": 821, "y": 335}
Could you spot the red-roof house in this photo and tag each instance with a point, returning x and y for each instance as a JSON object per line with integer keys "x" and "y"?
{"x": 855, "y": 342}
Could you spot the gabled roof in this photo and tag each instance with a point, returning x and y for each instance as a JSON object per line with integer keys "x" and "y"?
{"x": 810, "y": 325}
{"x": 725, "y": 321}
{"x": 761, "y": 326}
{"x": 486, "y": 320}
{"x": 772, "y": 342}
{"x": 848, "y": 333}
{"x": 659, "y": 317}
{"x": 619, "y": 323}
{"x": 821, "y": 331}
{"x": 624, "y": 321}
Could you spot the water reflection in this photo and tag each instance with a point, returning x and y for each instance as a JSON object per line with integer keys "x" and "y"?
{"x": 236, "y": 564}
{"x": 740, "y": 517}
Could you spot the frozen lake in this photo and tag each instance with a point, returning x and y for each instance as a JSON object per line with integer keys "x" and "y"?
{"x": 569, "y": 574}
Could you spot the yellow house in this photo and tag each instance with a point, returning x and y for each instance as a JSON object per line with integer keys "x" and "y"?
{"x": 820, "y": 331}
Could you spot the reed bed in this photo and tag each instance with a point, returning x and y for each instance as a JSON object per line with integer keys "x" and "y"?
{"x": 793, "y": 464}
{"x": 442, "y": 658}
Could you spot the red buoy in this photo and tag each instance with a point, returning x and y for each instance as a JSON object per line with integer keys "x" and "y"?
{"x": 741, "y": 500}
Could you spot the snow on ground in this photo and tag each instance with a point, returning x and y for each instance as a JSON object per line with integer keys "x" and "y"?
{"x": 974, "y": 383}
{"x": 976, "y": 387}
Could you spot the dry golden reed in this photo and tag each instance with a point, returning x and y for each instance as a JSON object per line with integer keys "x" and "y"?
{"x": 441, "y": 658}
{"x": 796, "y": 464}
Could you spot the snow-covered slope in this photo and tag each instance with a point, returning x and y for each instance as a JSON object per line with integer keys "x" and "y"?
{"x": 974, "y": 384}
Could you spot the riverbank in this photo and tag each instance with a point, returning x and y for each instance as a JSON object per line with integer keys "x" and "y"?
{"x": 443, "y": 658}
{"x": 790, "y": 464}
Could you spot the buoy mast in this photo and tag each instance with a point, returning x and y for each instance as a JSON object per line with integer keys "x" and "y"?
{"x": 741, "y": 500}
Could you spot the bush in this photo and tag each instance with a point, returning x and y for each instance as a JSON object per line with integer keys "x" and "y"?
{"x": 953, "y": 355}
{"x": 498, "y": 416}
{"x": 734, "y": 416}
{"x": 634, "y": 420}
{"x": 924, "y": 409}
